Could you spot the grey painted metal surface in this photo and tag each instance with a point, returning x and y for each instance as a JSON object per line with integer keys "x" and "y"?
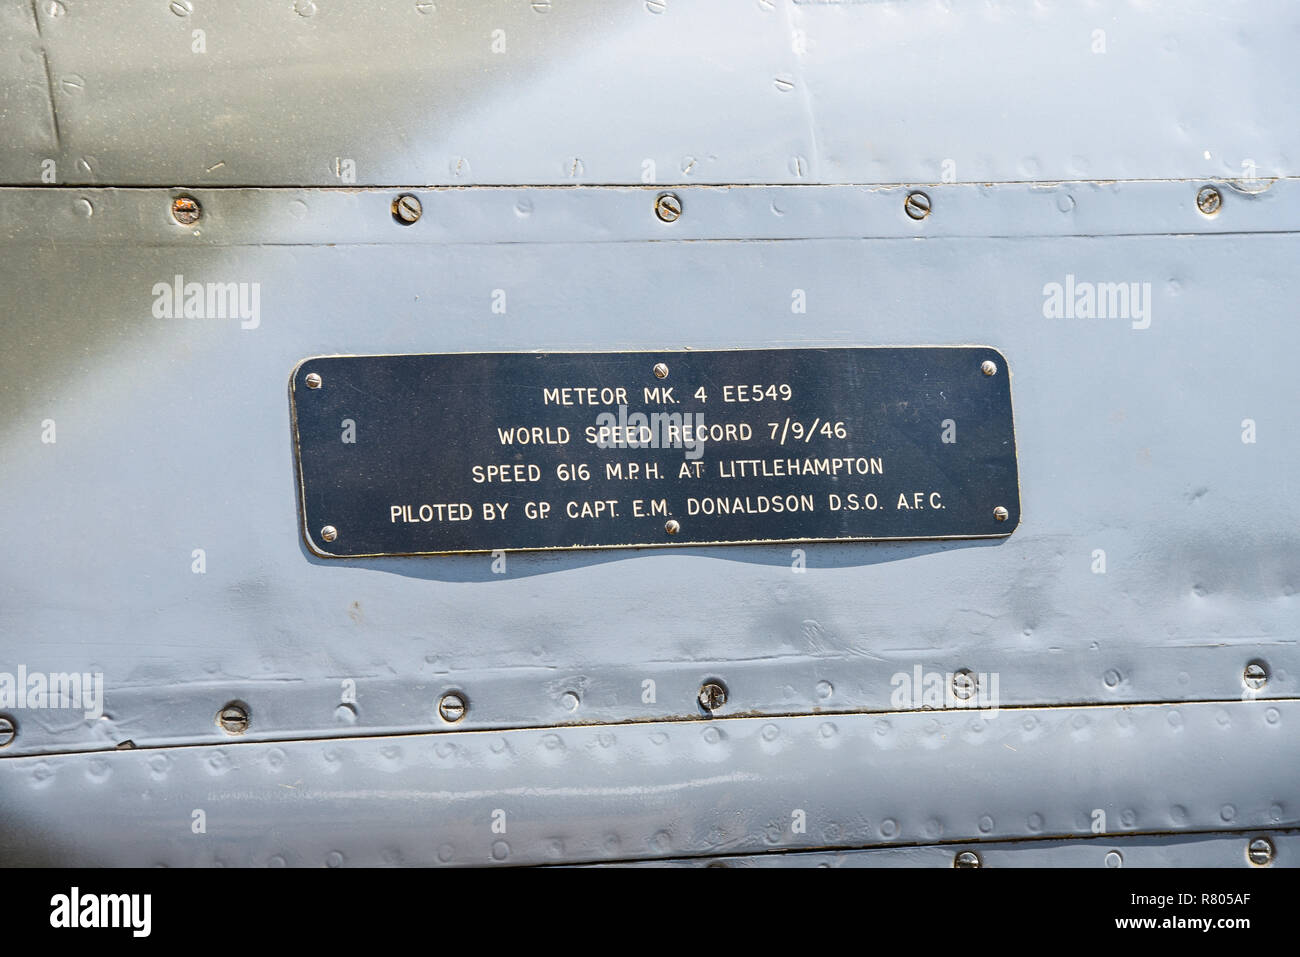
{"x": 148, "y": 512}
{"x": 738, "y": 786}
{"x": 1147, "y": 850}
{"x": 1130, "y": 443}
{"x": 577, "y": 91}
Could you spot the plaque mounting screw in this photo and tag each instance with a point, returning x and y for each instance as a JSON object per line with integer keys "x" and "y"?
{"x": 661, "y": 370}
{"x": 989, "y": 367}
{"x": 329, "y": 533}
{"x": 668, "y": 207}
{"x": 713, "y": 695}
{"x": 451, "y": 708}
{"x": 672, "y": 526}
{"x": 233, "y": 718}
{"x": 1000, "y": 513}
{"x": 1260, "y": 851}
{"x": 8, "y": 730}
{"x": 313, "y": 380}
{"x": 966, "y": 859}
{"x": 1208, "y": 200}
{"x": 963, "y": 685}
{"x": 1255, "y": 676}
{"x": 917, "y": 205}
{"x": 407, "y": 209}
{"x": 186, "y": 210}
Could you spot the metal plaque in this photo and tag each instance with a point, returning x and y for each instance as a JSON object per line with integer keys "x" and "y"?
{"x": 474, "y": 452}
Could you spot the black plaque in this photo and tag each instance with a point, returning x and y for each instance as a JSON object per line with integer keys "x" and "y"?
{"x": 474, "y": 452}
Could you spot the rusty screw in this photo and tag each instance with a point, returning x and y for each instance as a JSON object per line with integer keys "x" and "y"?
{"x": 989, "y": 367}
{"x": 8, "y": 730}
{"x": 1260, "y": 851}
{"x": 1208, "y": 200}
{"x": 1255, "y": 676}
{"x": 452, "y": 708}
{"x": 713, "y": 695}
{"x": 407, "y": 209}
{"x": 967, "y": 859}
{"x": 186, "y": 210}
{"x": 668, "y": 207}
{"x": 1000, "y": 514}
{"x": 233, "y": 718}
{"x": 329, "y": 533}
{"x": 313, "y": 380}
{"x": 672, "y": 526}
{"x": 917, "y": 205}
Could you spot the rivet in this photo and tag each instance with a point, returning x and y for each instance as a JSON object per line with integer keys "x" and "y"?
{"x": 1260, "y": 851}
{"x": 989, "y": 367}
{"x": 407, "y": 209}
{"x": 967, "y": 859}
{"x": 672, "y": 526}
{"x": 452, "y": 707}
{"x": 917, "y": 205}
{"x": 668, "y": 207}
{"x": 1208, "y": 200}
{"x": 713, "y": 695}
{"x": 1114, "y": 859}
{"x": 233, "y": 718}
{"x": 313, "y": 380}
{"x": 186, "y": 210}
{"x": 1001, "y": 514}
{"x": 329, "y": 533}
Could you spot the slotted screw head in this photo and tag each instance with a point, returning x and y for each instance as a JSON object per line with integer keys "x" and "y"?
{"x": 1208, "y": 200}
{"x": 1260, "y": 851}
{"x": 407, "y": 209}
{"x": 233, "y": 718}
{"x": 967, "y": 859}
{"x": 668, "y": 207}
{"x": 963, "y": 685}
{"x": 1255, "y": 676}
{"x": 8, "y": 730}
{"x": 713, "y": 695}
{"x": 186, "y": 210}
{"x": 452, "y": 707}
{"x": 917, "y": 205}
